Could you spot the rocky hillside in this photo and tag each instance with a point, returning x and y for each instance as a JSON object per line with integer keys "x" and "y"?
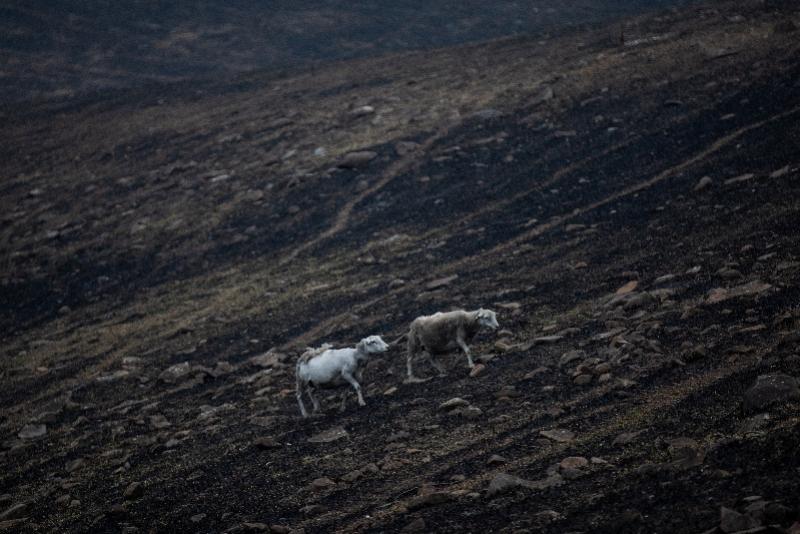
{"x": 67, "y": 48}
{"x": 626, "y": 201}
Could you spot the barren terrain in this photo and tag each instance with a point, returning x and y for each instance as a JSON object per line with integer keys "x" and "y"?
{"x": 625, "y": 197}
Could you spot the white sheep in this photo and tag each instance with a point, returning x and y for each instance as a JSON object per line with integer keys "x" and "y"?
{"x": 442, "y": 332}
{"x": 327, "y": 367}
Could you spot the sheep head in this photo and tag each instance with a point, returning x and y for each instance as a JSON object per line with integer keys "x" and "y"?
{"x": 372, "y": 345}
{"x": 487, "y": 318}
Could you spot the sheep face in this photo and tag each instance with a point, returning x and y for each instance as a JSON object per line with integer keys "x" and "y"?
{"x": 487, "y": 318}
{"x": 373, "y": 345}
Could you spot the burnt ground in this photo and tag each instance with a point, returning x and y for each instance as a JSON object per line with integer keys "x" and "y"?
{"x": 556, "y": 178}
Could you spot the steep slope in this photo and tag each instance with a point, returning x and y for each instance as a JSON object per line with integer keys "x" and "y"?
{"x": 66, "y": 48}
{"x": 559, "y": 180}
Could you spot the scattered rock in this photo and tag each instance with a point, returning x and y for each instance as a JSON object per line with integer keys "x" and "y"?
{"x": 571, "y": 356}
{"x": 455, "y": 402}
{"x": 626, "y": 438}
{"x": 74, "y": 465}
{"x": 704, "y": 183}
{"x": 32, "y": 431}
{"x": 495, "y": 459}
{"x": 434, "y": 498}
{"x": 266, "y": 442}
{"x": 159, "y": 422}
{"x": 175, "y": 372}
{"x": 627, "y": 288}
{"x": 749, "y": 289}
{"x": 770, "y": 389}
{"x": 321, "y": 484}
{"x": 574, "y": 462}
{"x": 441, "y": 282}
{"x": 477, "y": 370}
{"x": 582, "y": 379}
{"x": 686, "y": 453}
{"x": 738, "y": 179}
{"x": 560, "y": 435}
{"x": 197, "y": 518}
{"x": 503, "y": 483}
{"x": 754, "y": 423}
{"x": 328, "y": 436}
{"x": 354, "y": 160}
{"x": 133, "y": 491}
{"x": 733, "y": 521}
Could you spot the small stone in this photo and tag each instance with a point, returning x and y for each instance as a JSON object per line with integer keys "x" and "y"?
{"x": 571, "y": 356}
{"x": 266, "y": 442}
{"x": 574, "y": 462}
{"x": 352, "y": 476}
{"x": 496, "y": 459}
{"x": 175, "y": 372}
{"x": 783, "y": 171}
{"x": 470, "y": 412}
{"x": 626, "y": 438}
{"x": 738, "y": 179}
{"x": 328, "y": 436}
{"x": 159, "y": 422}
{"x": 358, "y": 159}
{"x": 440, "y": 282}
{"x": 602, "y": 368}
{"x": 754, "y": 423}
{"x": 605, "y": 377}
{"x": 32, "y": 431}
{"x": 118, "y": 511}
{"x": 133, "y": 491}
{"x": 398, "y": 436}
{"x": 455, "y": 402}
{"x": 312, "y": 509}
{"x": 503, "y": 483}
{"x": 582, "y": 379}
{"x": 733, "y": 521}
{"x": 321, "y": 484}
{"x": 704, "y": 183}
{"x": 478, "y": 369}
{"x": 560, "y": 435}
{"x": 434, "y": 498}
{"x": 74, "y": 465}
{"x": 627, "y": 288}
{"x": 770, "y": 389}
{"x": 536, "y": 372}
{"x": 197, "y": 518}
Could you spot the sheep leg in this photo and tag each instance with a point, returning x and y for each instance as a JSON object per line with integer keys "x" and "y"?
{"x": 344, "y": 402}
{"x": 299, "y": 395}
{"x": 411, "y": 378}
{"x": 465, "y": 348}
{"x": 313, "y": 398}
{"x": 356, "y": 386}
